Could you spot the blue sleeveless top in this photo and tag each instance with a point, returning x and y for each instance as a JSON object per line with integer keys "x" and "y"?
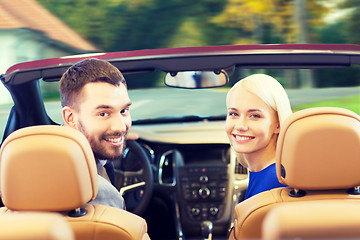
{"x": 263, "y": 180}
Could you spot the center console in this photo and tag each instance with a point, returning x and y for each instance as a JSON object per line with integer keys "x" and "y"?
{"x": 203, "y": 196}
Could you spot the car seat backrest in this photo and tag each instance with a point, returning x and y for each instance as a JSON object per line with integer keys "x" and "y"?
{"x": 321, "y": 219}
{"x": 34, "y": 225}
{"x": 52, "y": 168}
{"x": 317, "y": 157}
{"x": 317, "y": 144}
{"x": 54, "y": 162}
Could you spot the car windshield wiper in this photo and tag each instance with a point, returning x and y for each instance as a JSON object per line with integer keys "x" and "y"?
{"x": 189, "y": 118}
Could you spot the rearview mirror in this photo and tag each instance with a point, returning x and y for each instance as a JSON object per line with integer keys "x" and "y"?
{"x": 196, "y": 79}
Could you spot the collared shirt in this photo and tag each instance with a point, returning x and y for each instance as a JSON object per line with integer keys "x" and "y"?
{"x": 107, "y": 193}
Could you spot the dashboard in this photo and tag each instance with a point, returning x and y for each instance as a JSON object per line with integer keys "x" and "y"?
{"x": 193, "y": 165}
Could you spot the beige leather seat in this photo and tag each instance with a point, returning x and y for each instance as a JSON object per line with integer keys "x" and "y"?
{"x": 34, "y": 225}
{"x": 318, "y": 219}
{"x": 52, "y": 168}
{"x": 318, "y": 156}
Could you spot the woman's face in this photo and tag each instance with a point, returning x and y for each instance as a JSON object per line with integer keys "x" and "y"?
{"x": 250, "y": 122}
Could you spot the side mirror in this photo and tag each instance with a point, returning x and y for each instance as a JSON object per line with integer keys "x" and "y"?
{"x": 196, "y": 79}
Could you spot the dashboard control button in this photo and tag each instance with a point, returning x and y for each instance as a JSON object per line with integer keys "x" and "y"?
{"x": 195, "y": 211}
{"x": 204, "y": 179}
{"x": 204, "y": 192}
{"x": 214, "y": 211}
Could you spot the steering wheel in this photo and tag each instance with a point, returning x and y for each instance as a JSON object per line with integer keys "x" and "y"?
{"x": 134, "y": 178}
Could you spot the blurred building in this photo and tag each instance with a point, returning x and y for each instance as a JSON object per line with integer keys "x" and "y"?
{"x": 28, "y": 32}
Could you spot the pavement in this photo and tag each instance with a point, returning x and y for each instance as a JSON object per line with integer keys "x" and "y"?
{"x": 179, "y": 102}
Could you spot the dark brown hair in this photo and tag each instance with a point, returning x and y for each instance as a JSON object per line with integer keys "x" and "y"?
{"x": 87, "y": 71}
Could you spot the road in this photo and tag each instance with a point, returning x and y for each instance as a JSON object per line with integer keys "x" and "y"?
{"x": 168, "y": 102}
{"x": 303, "y": 96}
{"x": 178, "y": 102}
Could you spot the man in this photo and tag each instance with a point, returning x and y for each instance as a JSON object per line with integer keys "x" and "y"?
{"x": 95, "y": 101}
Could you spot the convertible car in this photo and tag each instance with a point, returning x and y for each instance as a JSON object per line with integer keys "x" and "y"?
{"x": 181, "y": 174}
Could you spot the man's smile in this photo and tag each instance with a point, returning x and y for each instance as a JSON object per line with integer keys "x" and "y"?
{"x": 115, "y": 141}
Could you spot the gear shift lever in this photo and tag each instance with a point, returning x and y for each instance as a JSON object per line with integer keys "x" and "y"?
{"x": 206, "y": 229}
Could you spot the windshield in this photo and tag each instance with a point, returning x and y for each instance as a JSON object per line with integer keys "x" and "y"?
{"x": 176, "y": 103}
{"x": 154, "y": 102}
{"x": 164, "y": 103}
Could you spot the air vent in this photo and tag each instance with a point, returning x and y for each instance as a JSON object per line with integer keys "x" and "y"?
{"x": 166, "y": 168}
{"x": 239, "y": 169}
{"x": 241, "y": 172}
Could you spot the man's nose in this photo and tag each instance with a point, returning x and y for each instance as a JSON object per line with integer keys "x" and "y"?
{"x": 119, "y": 123}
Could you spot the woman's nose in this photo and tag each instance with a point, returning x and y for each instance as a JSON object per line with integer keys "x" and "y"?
{"x": 241, "y": 124}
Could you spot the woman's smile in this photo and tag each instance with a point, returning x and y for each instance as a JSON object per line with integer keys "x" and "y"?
{"x": 242, "y": 138}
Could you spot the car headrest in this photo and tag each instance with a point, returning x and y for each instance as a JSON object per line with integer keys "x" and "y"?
{"x": 47, "y": 168}
{"x": 35, "y": 225}
{"x": 319, "y": 148}
{"x": 317, "y": 219}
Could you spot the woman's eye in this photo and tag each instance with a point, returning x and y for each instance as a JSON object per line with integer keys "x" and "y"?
{"x": 255, "y": 116}
{"x": 232, "y": 114}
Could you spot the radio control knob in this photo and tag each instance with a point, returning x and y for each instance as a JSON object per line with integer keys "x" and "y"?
{"x": 214, "y": 211}
{"x": 195, "y": 211}
{"x": 204, "y": 192}
{"x": 203, "y": 179}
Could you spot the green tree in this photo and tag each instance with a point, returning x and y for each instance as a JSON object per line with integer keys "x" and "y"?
{"x": 257, "y": 18}
{"x": 352, "y": 20}
{"x": 114, "y": 25}
{"x": 86, "y": 17}
{"x": 120, "y": 25}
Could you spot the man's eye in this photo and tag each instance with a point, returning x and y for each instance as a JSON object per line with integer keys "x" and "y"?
{"x": 103, "y": 114}
{"x": 125, "y": 110}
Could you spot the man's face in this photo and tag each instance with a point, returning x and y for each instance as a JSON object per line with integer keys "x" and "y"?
{"x": 103, "y": 117}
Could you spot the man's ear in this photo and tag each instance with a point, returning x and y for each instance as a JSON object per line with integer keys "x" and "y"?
{"x": 68, "y": 116}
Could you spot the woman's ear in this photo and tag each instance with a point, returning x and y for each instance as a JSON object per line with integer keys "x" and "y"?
{"x": 277, "y": 130}
{"x": 68, "y": 116}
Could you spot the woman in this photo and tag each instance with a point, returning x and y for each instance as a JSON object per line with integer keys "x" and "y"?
{"x": 257, "y": 106}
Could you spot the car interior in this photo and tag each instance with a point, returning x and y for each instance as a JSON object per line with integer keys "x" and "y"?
{"x": 314, "y": 145}
{"x": 57, "y": 164}
{"x": 180, "y": 179}
{"x": 35, "y": 225}
{"x": 314, "y": 219}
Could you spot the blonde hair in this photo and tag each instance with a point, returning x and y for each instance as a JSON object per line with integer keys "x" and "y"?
{"x": 269, "y": 90}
